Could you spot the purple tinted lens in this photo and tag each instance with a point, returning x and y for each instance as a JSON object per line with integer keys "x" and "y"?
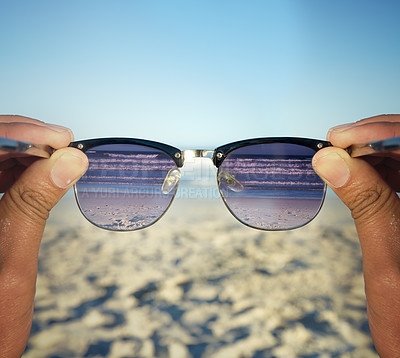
{"x": 122, "y": 189}
{"x": 271, "y": 186}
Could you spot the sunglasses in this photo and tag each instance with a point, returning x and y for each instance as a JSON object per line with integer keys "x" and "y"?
{"x": 266, "y": 183}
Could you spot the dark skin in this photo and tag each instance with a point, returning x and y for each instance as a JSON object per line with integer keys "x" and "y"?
{"x": 368, "y": 187}
{"x": 33, "y": 186}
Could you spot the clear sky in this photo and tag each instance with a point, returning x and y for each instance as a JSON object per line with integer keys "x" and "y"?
{"x": 196, "y": 74}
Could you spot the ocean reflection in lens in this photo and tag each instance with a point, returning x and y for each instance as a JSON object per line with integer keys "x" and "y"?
{"x": 281, "y": 191}
{"x": 122, "y": 189}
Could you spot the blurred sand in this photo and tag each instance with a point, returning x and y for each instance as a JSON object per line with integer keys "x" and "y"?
{"x": 200, "y": 284}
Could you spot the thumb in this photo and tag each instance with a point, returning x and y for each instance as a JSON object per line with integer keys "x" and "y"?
{"x": 376, "y": 211}
{"x": 373, "y": 204}
{"x": 24, "y": 209}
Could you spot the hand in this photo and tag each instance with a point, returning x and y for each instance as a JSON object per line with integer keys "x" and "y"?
{"x": 368, "y": 187}
{"x": 32, "y": 187}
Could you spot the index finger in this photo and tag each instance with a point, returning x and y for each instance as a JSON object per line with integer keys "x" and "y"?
{"x": 33, "y": 131}
{"x": 10, "y": 118}
{"x": 379, "y": 118}
{"x": 365, "y": 131}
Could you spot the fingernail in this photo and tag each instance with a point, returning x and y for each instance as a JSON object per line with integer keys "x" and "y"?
{"x": 340, "y": 128}
{"x": 333, "y": 169}
{"x": 67, "y": 168}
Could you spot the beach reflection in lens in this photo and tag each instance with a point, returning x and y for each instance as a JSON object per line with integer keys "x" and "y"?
{"x": 122, "y": 189}
{"x": 280, "y": 191}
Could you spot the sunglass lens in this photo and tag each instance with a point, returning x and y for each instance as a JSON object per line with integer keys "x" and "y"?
{"x": 271, "y": 186}
{"x": 127, "y": 186}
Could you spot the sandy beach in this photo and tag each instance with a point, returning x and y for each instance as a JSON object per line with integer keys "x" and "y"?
{"x": 274, "y": 213}
{"x": 200, "y": 284}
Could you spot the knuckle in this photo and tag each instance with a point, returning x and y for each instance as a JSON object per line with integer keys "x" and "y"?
{"x": 33, "y": 204}
{"x": 367, "y": 203}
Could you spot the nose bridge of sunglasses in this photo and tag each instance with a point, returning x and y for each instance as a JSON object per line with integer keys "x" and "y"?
{"x": 189, "y": 154}
{"x": 224, "y": 178}
{"x": 174, "y": 175}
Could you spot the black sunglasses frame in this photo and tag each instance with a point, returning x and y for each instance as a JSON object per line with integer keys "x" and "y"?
{"x": 174, "y": 153}
{"x": 219, "y": 154}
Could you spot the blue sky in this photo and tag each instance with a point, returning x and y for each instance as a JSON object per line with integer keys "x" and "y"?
{"x": 197, "y": 74}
